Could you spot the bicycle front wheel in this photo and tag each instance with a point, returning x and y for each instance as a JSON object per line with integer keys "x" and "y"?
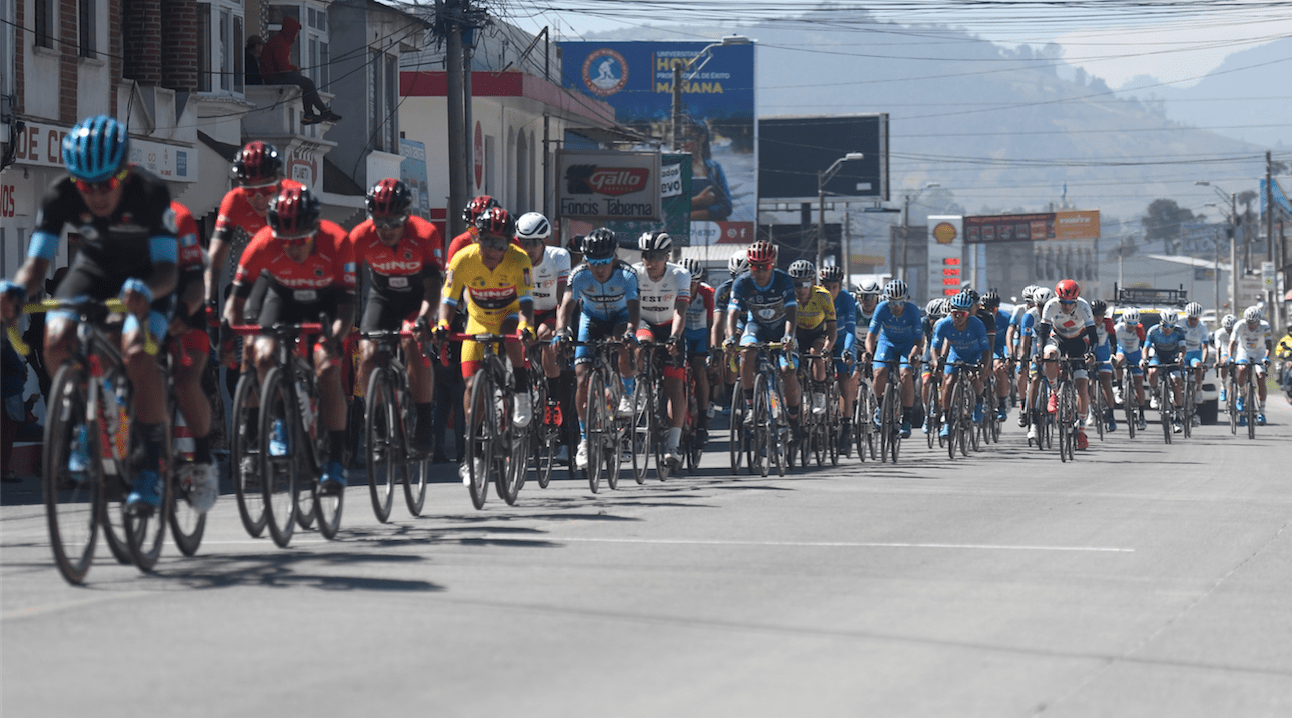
{"x": 761, "y": 456}
{"x": 595, "y": 421}
{"x": 72, "y": 498}
{"x": 643, "y": 431}
{"x": 1249, "y": 405}
{"x": 736, "y": 436}
{"x": 244, "y": 454}
{"x": 281, "y": 456}
{"x": 382, "y": 443}
{"x": 480, "y": 438}
{"x": 146, "y": 526}
{"x": 187, "y": 525}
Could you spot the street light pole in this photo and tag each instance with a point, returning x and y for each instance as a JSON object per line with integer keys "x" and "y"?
{"x": 906, "y": 224}
{"x": 678, "y": 67}
{"x": 823, "y": 177}
{"x": 1232, "y": 198}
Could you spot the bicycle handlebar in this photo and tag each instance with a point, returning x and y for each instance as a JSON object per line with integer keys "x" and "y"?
{"x": 111, "y": 305}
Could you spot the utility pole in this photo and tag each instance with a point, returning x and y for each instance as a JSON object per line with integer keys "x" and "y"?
{"x": 677, "y": 105}
{"x": 1273, "y": 301}
{"x": 846, "y": 251}
{"x": 460, "y": 141}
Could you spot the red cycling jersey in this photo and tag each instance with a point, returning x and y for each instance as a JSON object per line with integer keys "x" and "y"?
{"x": 330, "y": 263}
{"x": 419, "y": 247}
{"x": 236, "y": 211}
{"x": 190, "y": 252}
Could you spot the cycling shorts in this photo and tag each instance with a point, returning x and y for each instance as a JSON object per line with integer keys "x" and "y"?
{"x": 697, "y": 342}
{"x": 658, "y": 333}
{"x": 1193, "y": 358}
{"x": 954, "y": 357}
{"x": 386, "y": 312}
{"x": 473, "y": 352}
{"x": 87, "y": 279}
{"x": 547, "y": 316}
{"x": 887, "y": 352}
{"x": 755, "y": 333}
{"x": 1132, "y": 360}
{"x": 1071, "y": 347}
{"x": 807, "y": 338}
{"x": 592, "y": 329}
{"x": 1104, "y": 355}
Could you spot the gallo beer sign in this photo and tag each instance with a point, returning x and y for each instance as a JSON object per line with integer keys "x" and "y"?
{"x": 599, "y": 185}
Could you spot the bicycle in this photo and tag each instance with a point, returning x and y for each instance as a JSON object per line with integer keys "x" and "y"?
{"x": 817, "y": 428}
{"x": 1231, "y": 398}
{"x": 1130, "y": 402}
{"x": 890, "y": 431}
{"x": 388, "y": 428}
{"x": 489, "y": 426}
{"x": 863, "y": 413}
{"x": 606, "y": 432}
{"x": 1098, "y": 402}
{"x": 90, "y": 409}
{"x": 1045, "y": 429}
{"x": 690, "y": 446}
{"x": 548, "y": 435}
{"x": 1189, "y": 407}
{"x": 651, "y": 406}
{"x": 1251, "y": 400}
{"x": 961, "y": 430}
{"x": 933, "y": 412}
{"x": 1166, "y": 397}
{"x": 766, "y": 425}
{"x": 1067, "y": 416}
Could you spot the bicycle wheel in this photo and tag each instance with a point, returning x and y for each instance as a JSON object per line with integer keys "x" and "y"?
{"x": 329, "y": 501}
{"x": 1249, "y": 404}
{"x": 643, "y": 431}
{"x": 820, "y": 434}
{"x": 282, "y": 460}
{"x": 415, "y": 469}
{"x": 779, "y": 431}
{"x": 146, "y": 526}
{"x": 244, "y": 454}
{"x": 72, "y": 499}
{"x": 480, "y": 438}
{"x": 614, "y": 453}
{"x": 546, "y": 438}
{"x": 659, "y": 401}
{"x": 954, "y": 410}
{"x": 887, "y": 430}
{"x": 382, "y": 442}
{"x": 1231, "y": 405}
{"x": 1130, "y": 404}
{"x": 761, "y": 457}
{"x": 1164, "y": 405}
{"x": 1097, "y": 403}
{"x": 595, "y": 422}
{"x": 1186, "y": 411}
{"x": 834, "y": 423}
{"x": 976, "y": 429}
{"x": 736, "y": 434}
{"x": 187, "y": 525}
{"x": 1066, "y": 420}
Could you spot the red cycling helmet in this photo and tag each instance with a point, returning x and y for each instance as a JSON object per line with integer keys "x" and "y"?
{"x": 294, "y": 213}
{"x": 389, "y": 198}
{"x": 761, "y": 253}
{"x": 1068, "y": 290}
{"x": 497, "y": 222}
{"x": 477, "y": 207}
{"x": 257, "y": 164}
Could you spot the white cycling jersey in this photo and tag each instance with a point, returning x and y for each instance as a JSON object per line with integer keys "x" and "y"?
{"x": 554, "y": 268}
{"x": 1220, "y": 340}
{"x": 1251, "y": 342}
{"x": 1068, "y": 324}
{"x": 1128, "y": 339}
{"x": 1195, "y": 337}
{"x": 658, "y": 298}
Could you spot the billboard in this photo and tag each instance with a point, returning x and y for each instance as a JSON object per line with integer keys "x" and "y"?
{"x": 597, "y": 185}
{"x": 718, "y": 128}
{"x": 412, "y": 170}
{"x": 792, "y": 150}
{"x": 675, "y": 205}
{"x": 992, "y": 229}
{"x": 946, "y": 240}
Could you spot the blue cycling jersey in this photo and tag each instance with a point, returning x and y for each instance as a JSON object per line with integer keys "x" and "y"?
{"x": 895, "y": 331}
{"x": 967, "y": 344}
{"x": 1166, "y": 347}
{"x": 765, "y": 305}
{"x": 845, "y": 312}
{"x": 604, "y": 300}
{"x": 1002, "y": 323}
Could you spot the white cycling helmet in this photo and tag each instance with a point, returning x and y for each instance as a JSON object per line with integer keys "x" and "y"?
{"x": 738, "y": 264}
{"x": 1029, "y": 292}
{"x": 1253, "y": 314}
{"x": 1193, "y": 310}
{"x": 533, "y": 226}
{"x": 1041, "y": 295}
{"x": 1228, "y": 322}
{"x": 1131, "y": 317}
{"x": 1169, "y": 317}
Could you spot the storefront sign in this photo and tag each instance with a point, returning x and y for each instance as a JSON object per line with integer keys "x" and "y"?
{"x": 609, "y": 185}
{"x": 41, "y": 145}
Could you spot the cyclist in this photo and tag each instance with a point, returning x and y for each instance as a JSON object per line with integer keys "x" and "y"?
{"x": 476, "y": 207}
{"x": 1164, "y": 345}
{"x": 1130, "y": 336}
{"x": 551, "y": 277}
{"x": 497, "y": 278}
{"x": 1249, "y": 348}
{"x": 764, "y": 296}
{"x": 1197, "y": 345}
{"x": 1105, "y": 330}
{"x": 310, "y": 263}
{"x": 128, "y": 249}
{"x": 1013, "y": 343}
{"x": 699, "y": 325}
{"x": 1284, "y": 351}
{"x": 1067, "y": 328}
{"x": 405, "y": 255}
{"x": 1221, "y": 341}
{"x": 816, "y": 326}
{"x": 935, "y": 311}
{"x": 895, "y": 333}
{"x": 736, "y": 266}
{"x": 606, "y": 290}
{"x": 845, "y": 347}
{"x": 867, "y": 301}
{"x": 991, "y": 302}
{"x": 191, "y": 346}
{"x": 664, "y": 290}
{"x": 1030, "y": 347}
{"x": 960, "y": 337}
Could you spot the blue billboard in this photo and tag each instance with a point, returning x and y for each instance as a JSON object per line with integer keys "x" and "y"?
{"x": 719, "y": 127}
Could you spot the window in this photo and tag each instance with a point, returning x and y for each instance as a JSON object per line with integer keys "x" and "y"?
{"x": 383, "y": 100}
{"x": 392, "y": 104}
{"x": 310, "y": 51}
{"x": 220, "y": 46}
{"x": 85, "y": 10}
{"x": 44, "y": 12}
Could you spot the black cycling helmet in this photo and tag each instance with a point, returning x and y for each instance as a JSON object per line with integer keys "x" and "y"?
{"x": 1099, "y": 307}
{"x": 600, "y": 244}
{"x": 832, "y": 273}
{"x": 497, "y": 222}
{"x": 477, "y": 207}
{"x": 294, "y": 213}
{"x": 257, "y": 164}
{"x": 991, "y": 299}
{"x": 389, "y": 198}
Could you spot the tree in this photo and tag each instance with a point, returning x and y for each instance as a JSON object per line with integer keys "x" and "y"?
{"x": 1163, "y": 220}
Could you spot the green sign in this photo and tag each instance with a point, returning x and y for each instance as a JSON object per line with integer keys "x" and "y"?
{"x": 675, "y": 204}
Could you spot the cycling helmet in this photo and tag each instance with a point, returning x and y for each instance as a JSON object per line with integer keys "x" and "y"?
{"x": 1193, "y": 310}
{"x": 496, "y": 221}
{"x": 600, "y": 244}
{"x": 833, "y": 273}
{"x": 738, "y": 264}
{"x": 933, "y": 307}
{"x": 973, "y": 296}
{"x": 761, "y": 252}
{"x": 1068, "y": 290}
{"x": 1042, "y": 295}
{"x": 96, "y": 149}
{"x": 389, "y": 198}
{"x": 1169, "y": 318}
{"x": 575, "y": 245}
{"x": 1252, "y": 314}
{"x": 1028, "y": 292}
{"x": 533, "y": 226}
{"x": 1131, "y": 317}
{"x": 870, "y": 288}
{"x": 257, "y": 164}
{"x": 697, "y": 271}
{"x": 654, "y": 241}
{"x": 294, "y": 213}
{"x": 943, "y": 308}
{"x": 802, "y": 269}
{"x": 962, "y": 301}
{"x": 1228, "y": 322}
{"x": 477, "y": 207}
{"x": 1099, "y": 307}
{"x": 896, "y": 291}
{"x": 991, "y": 299}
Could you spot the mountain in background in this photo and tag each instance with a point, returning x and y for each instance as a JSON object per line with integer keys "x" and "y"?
{"x": 999, "y": 130}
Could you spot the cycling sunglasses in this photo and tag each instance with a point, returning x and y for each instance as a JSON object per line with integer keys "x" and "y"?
{"x": 803, "y": 285}
{"x": 295, "y": 242}
{"x": 268, "y": 190}
{"x": 655, "y": 255}
{"x": 489, "y": 241}
{"x": 959, "y": 313}
{"x": 105, "y": 186}
{"x": 762, "y": 266}
{"x": 389, "y": 222}
{"x": 1067, "y": 301}
{"x": 600, "y": 262}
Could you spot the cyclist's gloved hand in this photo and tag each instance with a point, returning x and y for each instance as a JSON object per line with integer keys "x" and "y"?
{"x": 441, "y": 331}
{"x": 788, "y": 340}
{"x": 137, "y": 296}
{"x": 630, "y": 337}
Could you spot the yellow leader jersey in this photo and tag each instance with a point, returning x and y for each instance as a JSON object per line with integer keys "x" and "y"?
{"x": 817, "y": 310}
{"x": 493, "y": 294}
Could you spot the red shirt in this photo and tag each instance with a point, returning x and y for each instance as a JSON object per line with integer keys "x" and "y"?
{"x": 329, "y": 265}
{"x": 236, "y": 211}
{"x": 190, "y": 251}
{"x": 419, "y": 247}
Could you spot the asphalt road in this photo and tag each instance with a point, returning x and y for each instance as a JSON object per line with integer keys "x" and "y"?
{"x": 1141, "y": 580}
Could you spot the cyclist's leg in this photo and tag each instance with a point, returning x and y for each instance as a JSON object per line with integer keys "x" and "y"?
{"x": 192, "y": 349}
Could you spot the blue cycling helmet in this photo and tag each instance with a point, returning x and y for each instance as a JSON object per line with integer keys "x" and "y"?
{"x": 96, "y": 149}
{"x": 962, "y": 301}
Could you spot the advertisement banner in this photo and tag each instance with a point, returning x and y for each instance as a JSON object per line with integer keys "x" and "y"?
{"x": 990, "y": 229}
{"x": 717, "y": 106}
{"x": 946, "y": 243}
{"x": 675, "y": 205}
{"x": 1076, "y": 224}
{"x": 41, "y": 144}
{"x": 413, "y": 172}
{"x": 609, "y": 185}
